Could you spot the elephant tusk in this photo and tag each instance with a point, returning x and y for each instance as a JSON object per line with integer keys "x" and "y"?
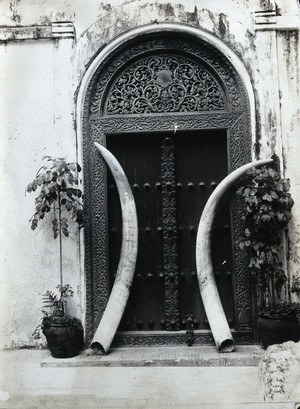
{"x": 125, "y": 272}
{"x": 208, "y": 289}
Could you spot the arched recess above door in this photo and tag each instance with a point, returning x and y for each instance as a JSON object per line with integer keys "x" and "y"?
{"x": 161, "y": 82}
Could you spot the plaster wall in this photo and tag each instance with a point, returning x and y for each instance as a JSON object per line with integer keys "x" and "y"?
{"x": 36, "y": 112}
{"x": 41, "y": 75}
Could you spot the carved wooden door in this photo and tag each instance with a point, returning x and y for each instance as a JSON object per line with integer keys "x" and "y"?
{"x": 176, "y": 114}
{"x": 172, "y": 176}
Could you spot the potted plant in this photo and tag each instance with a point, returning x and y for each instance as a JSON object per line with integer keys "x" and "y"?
{"x": 63, "y": 332}
{"x": 268, "y": 206}
{"x": 59, "y": 197}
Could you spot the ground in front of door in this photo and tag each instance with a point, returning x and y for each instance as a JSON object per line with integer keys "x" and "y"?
{"x": 26, "y": 384}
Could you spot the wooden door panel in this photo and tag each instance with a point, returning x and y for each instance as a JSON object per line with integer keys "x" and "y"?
{"x": 200, "y": 164}
{"x": 139, "y": 155}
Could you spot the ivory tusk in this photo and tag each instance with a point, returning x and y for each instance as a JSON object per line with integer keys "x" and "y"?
{"x": 125, "y": 272}
{"x": 208, "y": 289}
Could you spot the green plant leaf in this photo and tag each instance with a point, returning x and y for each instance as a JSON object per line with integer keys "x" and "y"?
{"x": 265, "y": 218}
{"x": 72, "y": 166}
{"x": 65, "y": 232}
{"x": 267, "y": 197}
{"x": 34, "y": 223}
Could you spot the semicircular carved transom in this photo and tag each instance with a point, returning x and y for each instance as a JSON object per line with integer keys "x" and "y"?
{"x": 165, "y": 83}
{"x": 163, "y": 75}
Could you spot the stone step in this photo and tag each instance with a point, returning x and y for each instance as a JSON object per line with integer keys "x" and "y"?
{"x": 197, "y": 356}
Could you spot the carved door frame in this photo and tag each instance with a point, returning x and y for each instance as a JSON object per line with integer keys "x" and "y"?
{"x": 97, "y": 123}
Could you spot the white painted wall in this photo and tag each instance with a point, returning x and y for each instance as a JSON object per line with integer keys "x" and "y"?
{"x": 36, "y": 119}
{"x": 39, "y": 80}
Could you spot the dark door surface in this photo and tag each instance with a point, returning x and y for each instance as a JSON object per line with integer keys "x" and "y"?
{"x": 171, "y": 175}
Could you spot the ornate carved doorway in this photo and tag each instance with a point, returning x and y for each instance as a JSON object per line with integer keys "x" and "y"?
{"x": 175, "y": 114}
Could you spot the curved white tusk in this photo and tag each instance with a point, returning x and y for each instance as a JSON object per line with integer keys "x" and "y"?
{"x": 208, "y": 289}
{"x": 120, "y": 291}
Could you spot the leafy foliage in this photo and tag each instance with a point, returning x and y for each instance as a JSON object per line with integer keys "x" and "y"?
{"x": 54, "y": 307}
{"x": 65, "y": 320}
{"x": 60, "y": 193}
{"x": 59, "y": 196}
{"x": 55, "y": 303}
{"x": 282, "y": 311}
{"x": 268, "y": 206}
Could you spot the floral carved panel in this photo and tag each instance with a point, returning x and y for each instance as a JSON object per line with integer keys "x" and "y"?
{"x": 145, "y": 76}
{"x": 164, "y": 83}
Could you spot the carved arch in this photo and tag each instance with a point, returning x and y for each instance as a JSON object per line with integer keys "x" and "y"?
{"x": 102, "y": 114}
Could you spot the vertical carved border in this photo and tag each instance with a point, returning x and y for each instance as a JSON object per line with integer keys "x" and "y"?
{"x": 242, "y": 279}
{"x": 169, "y": 220}
{"x": 88, "y": 264}
{"x": 96, "y": 263}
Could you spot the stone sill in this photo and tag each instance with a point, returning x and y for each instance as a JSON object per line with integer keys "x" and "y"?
{"x": 197, "y": 356}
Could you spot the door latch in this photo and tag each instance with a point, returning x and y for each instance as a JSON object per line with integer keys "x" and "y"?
{"x": 189, "y": 330}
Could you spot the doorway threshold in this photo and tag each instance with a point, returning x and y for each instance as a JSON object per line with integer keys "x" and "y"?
{"x": 197, "y": 356}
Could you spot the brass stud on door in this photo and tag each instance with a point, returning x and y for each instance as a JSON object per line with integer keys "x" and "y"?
{"x": 139, "y": 323}
{"x": 202, "y": 185}
{"x": 190, "y": 185}
{"x": 147, "y": 186}
{"x": 206, "y": 323}
{"x": 180, "y": 229}
{"x": 151, "y": 323}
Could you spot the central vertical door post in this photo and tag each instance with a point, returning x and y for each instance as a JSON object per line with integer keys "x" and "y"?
{"x": 169, "y": 217}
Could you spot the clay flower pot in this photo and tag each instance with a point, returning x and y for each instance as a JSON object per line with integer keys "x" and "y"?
{"x": 276, "y": 327}
{"x": 64, "y": 336}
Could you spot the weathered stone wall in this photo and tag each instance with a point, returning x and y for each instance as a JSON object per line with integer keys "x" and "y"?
{"x": 45, "y": 50}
